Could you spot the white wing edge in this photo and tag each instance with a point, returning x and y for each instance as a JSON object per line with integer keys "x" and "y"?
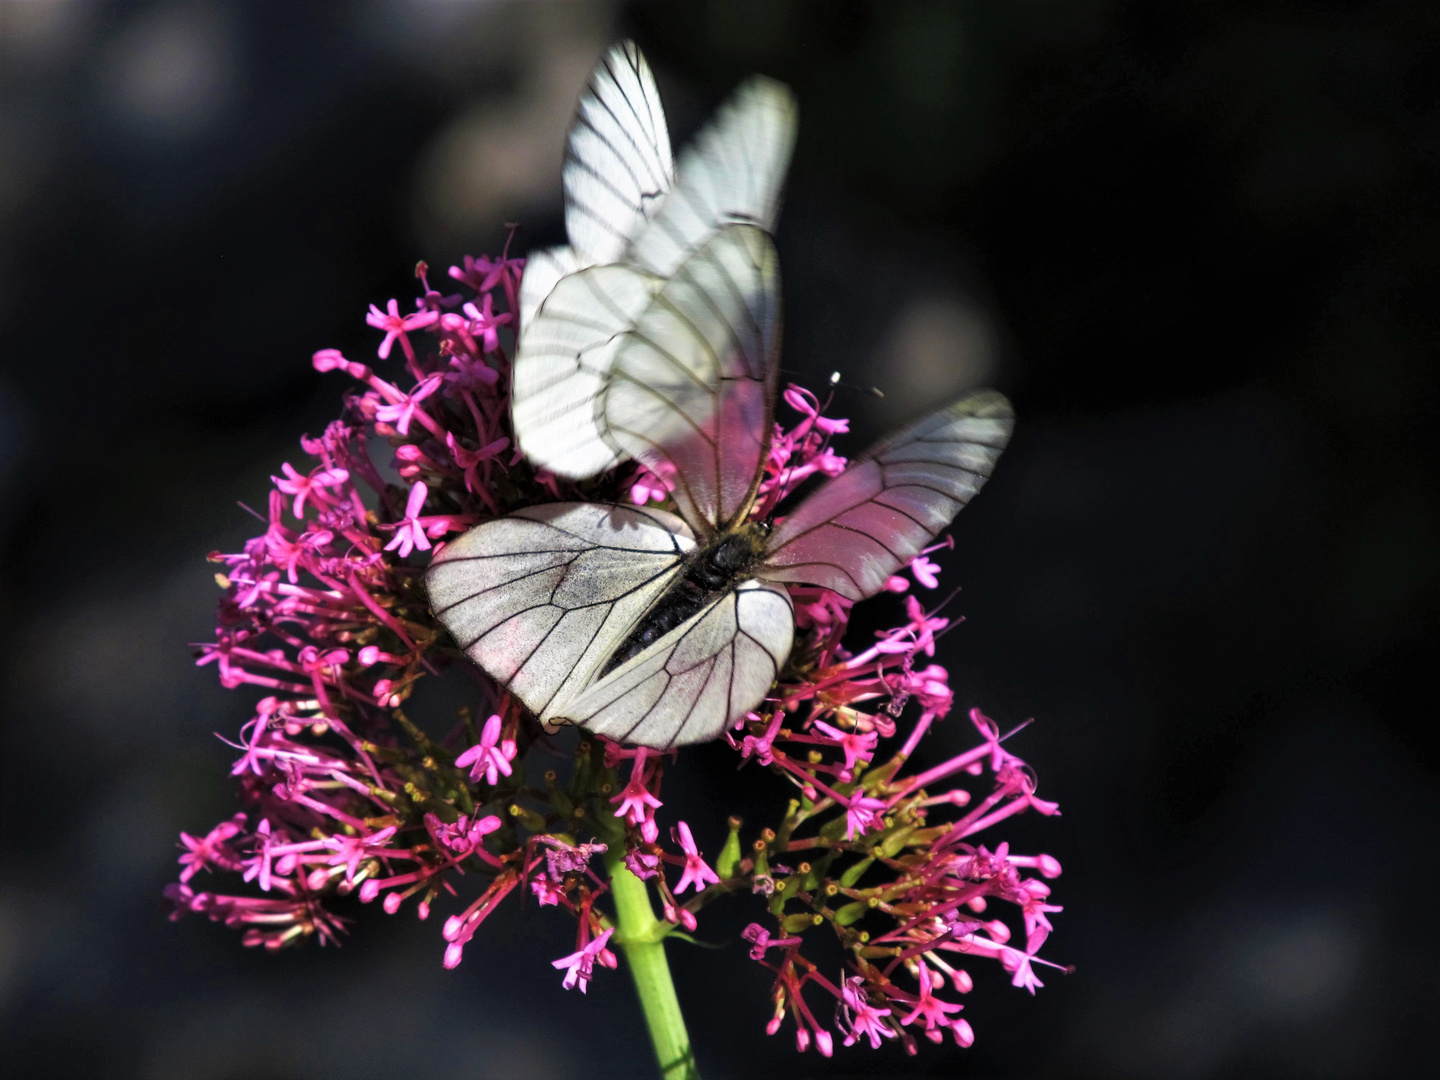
{"x": 544, "y": 268}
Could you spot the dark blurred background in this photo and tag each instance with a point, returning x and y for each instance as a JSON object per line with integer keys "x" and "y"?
{"x": 1196, "y": 242}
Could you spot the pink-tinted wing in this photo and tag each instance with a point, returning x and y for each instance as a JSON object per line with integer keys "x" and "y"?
{"x": 877, "y": 515}
{"x": 692, "y": 384}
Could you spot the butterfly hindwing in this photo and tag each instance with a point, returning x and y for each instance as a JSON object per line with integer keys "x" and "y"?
{"x": 565, "y": 362}
{"x": 700, "y": 678}
{"x": 693, "y": 382}
{"x": 541, "y": 598}
{"x": 876, "y": 516}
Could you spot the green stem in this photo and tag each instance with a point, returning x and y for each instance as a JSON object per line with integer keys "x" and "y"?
{"x": 642, "y": 938}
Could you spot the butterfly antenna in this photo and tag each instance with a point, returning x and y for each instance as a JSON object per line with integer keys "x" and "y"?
{"x": 940, "y": 607}
{"x": 835, "y": 381}
{"x": 825, "y": 445}
{"x": 869, "y": 391}
{"x": 1017, "y": 729}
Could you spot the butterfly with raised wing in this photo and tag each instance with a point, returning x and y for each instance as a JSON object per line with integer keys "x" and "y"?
{"x": 636, "y": 218}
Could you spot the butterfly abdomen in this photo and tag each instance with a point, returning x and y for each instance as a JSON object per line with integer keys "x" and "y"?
{"x": 706, "y": 573}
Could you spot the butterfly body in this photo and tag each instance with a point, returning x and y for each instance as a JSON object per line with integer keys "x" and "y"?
{"x": 706, "y": 574}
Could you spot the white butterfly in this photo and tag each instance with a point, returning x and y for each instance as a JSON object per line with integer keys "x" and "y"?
{"x": 663, "y": 630}
{"x": 628, "y": 209}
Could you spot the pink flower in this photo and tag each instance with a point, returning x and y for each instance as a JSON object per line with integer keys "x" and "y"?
{"x": 483, "y": 274}
{"x": 925, "y": 571}
{"x": 863, "y": 1020}
{"x": 1022, "y": 969}
{"x": 643, "y": 864}
{"x": 856, "y": 745}
{"x": 562, "y": 858}
{"x": 485, "y": 324}
{"x": 463, "y": 836}
{"x": 637, "y": 803}
{"x": 261, "y": 864}
{"x": 696, "y": 872}
{"x": 646, "y": 488}
{"x": 410, "y": 533}
{"x": 580, "y": 966}
{"x": 304, "y": 487}
{"x": 470, "y": 372}
{"x": 862, "y": 812}
{"x": 210, "y": 852}
{"x": 930, "y": 1008}
{"x": 334, "y": 360}
{"x": 349, "y": 850}
{"x": 920, "y": 631}
{"x": 491, "y": 756}
{"x": 397, "y": 326}
{"x": 762, "y": 942}
{"x": 548, "y": 893}
{"x": 803, "y": 401}
{"x": 469, "y": 460}
{"x": 401, "y": 412}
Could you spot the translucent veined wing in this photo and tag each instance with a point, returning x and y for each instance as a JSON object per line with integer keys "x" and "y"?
{"x": 565, "y": 362}
{"x": 542, "y": 598}
{"x": 733, "y": 171}
{"x": 617, "y": 170}
{"x": 693, "y": 383}
{"x": 544, "y": 269}
{"x": 699, "y": 678}
{"x": 877, "y": 515}
{"x": 617, "y": 159}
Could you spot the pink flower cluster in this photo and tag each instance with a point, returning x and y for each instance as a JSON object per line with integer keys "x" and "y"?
{"x": 343, "y": 795}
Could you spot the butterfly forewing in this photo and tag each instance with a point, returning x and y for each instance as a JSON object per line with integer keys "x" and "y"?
{"x": 541, "y": 598}
{"x": 693, "y": 383}
{"x": 617, "y": 170}
{"x": 877, "y": 515}
{"x": 733, "y": 171}
{"x": 617, "y": 160}
{"x": 697, "y": 680}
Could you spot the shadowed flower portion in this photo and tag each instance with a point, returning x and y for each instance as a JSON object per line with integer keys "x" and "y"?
{"x": 345, "y": 799}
